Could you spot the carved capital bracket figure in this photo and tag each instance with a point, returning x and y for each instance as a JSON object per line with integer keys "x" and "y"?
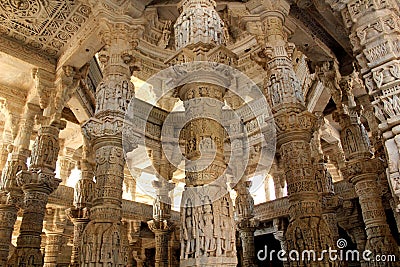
{"x": 246, "y": 224}
{"x": 104, "y": 132}
{"x": 38, "y": 182}
{"x": 295, "y": 127}
{"x": 374, "y": 34}
{"x": 361, "y": 171}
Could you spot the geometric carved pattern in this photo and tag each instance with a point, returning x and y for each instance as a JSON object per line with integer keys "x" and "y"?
{"x": 43, "y": 25}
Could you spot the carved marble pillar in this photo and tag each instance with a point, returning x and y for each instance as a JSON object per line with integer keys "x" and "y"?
{"x": 295, "y": 126}
{"x": 104, "y": 131}
{"x": 83, "y": 195}
{"x": 54, "y": 227}
{"x": 246, "y": 223}
{"x": 207, "y": 232}
{"x": 8, "y": 216}
{"x": 37, "y": 183}
{"x": 161, "y": 230}
{"x": 267, "y": 182}
{"x": 53, "y": 242}
{"x": 207, "y": 219}
{"x": 374, "y": 28}
{"x": 361, "y": 171}
{"x": 330, "y": 202}
{"x": 11, "y": 195}
{"x": 351, "y": 221}
{"x": 10, "y": 131}
{"x": 161, "y": 225}
{"x": 135, "y": 242}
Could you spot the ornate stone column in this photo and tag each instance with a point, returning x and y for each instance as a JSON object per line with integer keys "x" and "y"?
{"x": 130, "y": 180}
{"x": 374, "y": 28}
{"x": 83, "y": 195}
{"x": 161, "y": 225}
{"x": 267, "y": 182}
{"x": 11, "y": 194}
{"x": 135, "y": 242}
{"x": 361, "y": 170}
{"x": 9, "y": 129}
{"x": 208, "y": 232}
{"x": 37, "y": 183}
{"x": 104, "y": 131}
{"x": 295, "y": 126}
{"x": 8, "y": 216}
{"x": 245, "y": 222}
{"x": 351, "y": 221}
{"x": 54, "y": 228}
{"x": 330, "y": 202}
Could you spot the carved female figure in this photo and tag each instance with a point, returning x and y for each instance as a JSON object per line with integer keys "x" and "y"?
{"x": 189, "y": 233}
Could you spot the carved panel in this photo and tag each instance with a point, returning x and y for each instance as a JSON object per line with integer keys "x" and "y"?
{"x": 45, "y": 26}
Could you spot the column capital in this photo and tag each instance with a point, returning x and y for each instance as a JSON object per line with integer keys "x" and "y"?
{"x": 164, "y": 226}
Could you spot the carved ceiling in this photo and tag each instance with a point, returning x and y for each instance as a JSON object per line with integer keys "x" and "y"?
{"x": 44, "y": 25}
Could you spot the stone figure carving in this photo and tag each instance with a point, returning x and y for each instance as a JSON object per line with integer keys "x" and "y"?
{"x": 189, "y": 233}
{"x": 206, "y": 226}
